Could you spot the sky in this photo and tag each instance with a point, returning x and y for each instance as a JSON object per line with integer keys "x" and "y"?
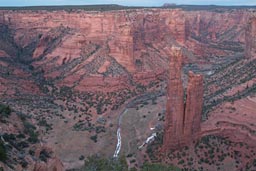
{"x": 123, "y": 2}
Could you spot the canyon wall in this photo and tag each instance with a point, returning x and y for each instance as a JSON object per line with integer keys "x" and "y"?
{"x": 182, "y": 120}
{"x": 250, "y": 39}
{"x": 72, "y": 47}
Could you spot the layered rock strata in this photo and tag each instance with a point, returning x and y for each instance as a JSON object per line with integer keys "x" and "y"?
{"x": 182, "y": 121}
{"x": 250, "y": 39}
{"x": 193, "y": 105}
{"x": 74, "y": 47}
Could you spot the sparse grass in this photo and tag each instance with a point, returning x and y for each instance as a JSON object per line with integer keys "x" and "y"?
{"x": 212, "y": 151}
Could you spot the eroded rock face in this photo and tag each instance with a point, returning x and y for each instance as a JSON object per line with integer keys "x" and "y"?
{"x": 182, "y": 121}
{"x": 52, "y": 165}
{"x": 175, "y": 102}
{"x": 250, "y": 39}
{"x": 3, "y": 54}
{"x": 194, "y": 104}
{"x": 73, "y": 47}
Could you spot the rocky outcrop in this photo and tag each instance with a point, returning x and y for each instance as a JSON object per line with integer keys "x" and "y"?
{"x": 193, "y": 105}
{"x": 182, "y": 120}
{"x": 52, "y": 165}
{"x": 3, "y": 54}
{"x": 250, "y": 39}
{"x": 173, "y": 129}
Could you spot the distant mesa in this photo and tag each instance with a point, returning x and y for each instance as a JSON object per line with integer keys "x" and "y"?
{"x": 168, "y": 5}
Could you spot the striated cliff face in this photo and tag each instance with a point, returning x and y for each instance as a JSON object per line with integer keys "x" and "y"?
{"x": 250, "y": 39}
{"x": 66, "y": 68}
{"x": 175, "y": 102}
{"x": 73, "y": 47}
{"x": 194, "y": 104}
{"x": 182, "y": 121}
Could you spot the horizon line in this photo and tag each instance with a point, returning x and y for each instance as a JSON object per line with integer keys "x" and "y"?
{"x": 171, "y": 5}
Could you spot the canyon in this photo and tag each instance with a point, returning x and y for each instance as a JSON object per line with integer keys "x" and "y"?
{"x": 69, "y": 74}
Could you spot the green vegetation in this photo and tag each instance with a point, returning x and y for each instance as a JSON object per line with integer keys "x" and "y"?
{"x": 44, "y": 155}
{"x": 96, "y": 163}
{"x": 159, "y": 167}
{"x": 94, "y": 138}
{"x": 84, "y": 126}
{"x": 30, "y": 130}
{"x": 44, "y": 123}
{"x": 213, "y": 151}
{"x": 3, "y": 154}
{"x": 5, "y": 111}
{"x": 223, "y": 79}
{"x": 154, "y": 147}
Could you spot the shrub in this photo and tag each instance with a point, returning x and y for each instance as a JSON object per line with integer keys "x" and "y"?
{"x": 81, "y": 157}
{"x": 5, "y": 111}
{"x": 94, "y": 138}
{"x": 102, "y": 164}
{"x": 33, "y": 137}
{"x": 44, "y": 155}
{"x": 3, "y": 154}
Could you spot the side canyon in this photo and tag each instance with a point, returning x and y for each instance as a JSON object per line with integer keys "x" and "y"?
{"x": 186, "y": 75}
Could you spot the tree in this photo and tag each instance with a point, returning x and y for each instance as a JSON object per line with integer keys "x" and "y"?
{"x": 5, "y": 111}
{"x": 3, "y": 155}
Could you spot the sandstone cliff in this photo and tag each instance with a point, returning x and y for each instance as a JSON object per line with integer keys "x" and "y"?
{"x": 128, "y": 41}
{"x": 250, "y": 39}
{"x": 46, "y": 55}
{"x": 175, "y": 102}
{"x": 194, "y": 104}
{"x": 182, "y": 120}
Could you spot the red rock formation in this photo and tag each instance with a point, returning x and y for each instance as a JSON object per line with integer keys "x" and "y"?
{"x": 194, "y": 104}
{"x": 122, "y": 49}
{"x": 178, "y": 27}
{"x": 52, "y": 165}
{"x": 1, "y": 18}
{"x": 144, "y": 77}
{"x": 182, "y": 121}
{"x": 68, "y": 46}
{"x": 175, "y": 102}
{"x": 250, "y": 39}
{"x": 3, "y": 54}
{"x": 106, "y": 84}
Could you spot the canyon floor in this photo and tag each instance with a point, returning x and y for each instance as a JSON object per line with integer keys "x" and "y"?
{"x": 70, "y": 78}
